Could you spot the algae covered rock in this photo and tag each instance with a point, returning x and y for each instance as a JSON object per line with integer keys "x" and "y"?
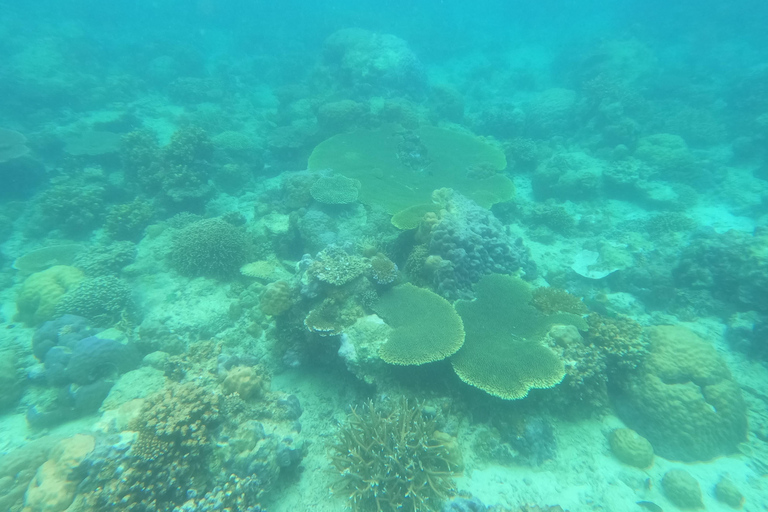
{"x": 631, "y": 448}
{"x": 682, "y": 489}
{"x": 684, "y": 401}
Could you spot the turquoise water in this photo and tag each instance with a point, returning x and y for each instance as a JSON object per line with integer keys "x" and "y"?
{"x": 383, "y": 256}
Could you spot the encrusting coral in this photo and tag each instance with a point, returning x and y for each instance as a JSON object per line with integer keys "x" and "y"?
{"x": 392, "y": 458}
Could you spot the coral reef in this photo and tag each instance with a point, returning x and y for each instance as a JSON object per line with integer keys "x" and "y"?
{"x": 727, "y": 492}
{"x": 503, "y": 353}
{"x": 209, "y": 248}
{"x": 620, "y": 339}
{"x": 391, "y": 457}
{"x": 425, "y": 326}
{"x": 103, "y": 260}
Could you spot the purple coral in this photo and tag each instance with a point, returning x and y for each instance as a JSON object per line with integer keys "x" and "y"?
{"x": 473, "y": 243}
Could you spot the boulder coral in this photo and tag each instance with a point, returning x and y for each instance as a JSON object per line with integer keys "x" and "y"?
{"x": 682, "y": 489}
{"x": 631, "y": 448}
{"x": 683, "y": 400}
{"x": 41, "y": 292}
{"x": 503, "y": 353}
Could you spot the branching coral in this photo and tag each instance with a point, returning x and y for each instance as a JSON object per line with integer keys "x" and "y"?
{"x": 394, "y": 458}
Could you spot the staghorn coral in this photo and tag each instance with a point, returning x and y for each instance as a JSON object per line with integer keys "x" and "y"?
{"x": 210, "y": 248}
{"x": 392, "y": 457}
{"x": 426, "y": 327}
{"x": 503, "y": 353}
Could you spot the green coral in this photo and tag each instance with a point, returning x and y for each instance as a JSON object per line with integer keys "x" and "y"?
{"x": 550, "y": 300}
{"x": 620, "y": 338}
{"x": 503, "y": 352}
{"x": 393, "y": 458}
{"x": 41, "y": 292}
{"x": 426, "y": 327}
{"x": 399, "y": 168}
{"x": 210, "y": 248}
{"x": 75, "y": 209}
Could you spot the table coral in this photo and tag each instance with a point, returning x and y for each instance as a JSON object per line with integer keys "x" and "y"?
{"x": 503, "y": 352}
{"x": 426, "y": 327}
{"x": 397, "y": 180}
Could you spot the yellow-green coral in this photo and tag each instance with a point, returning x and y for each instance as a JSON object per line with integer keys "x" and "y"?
{"x": 396, "y": 179}
{"x": 42, "y": 291}
{"x": 394, "y": 459}
{"x": 276, "y": 299}
{"x": 503, "y": 354}
{"x": 426, "y": 327}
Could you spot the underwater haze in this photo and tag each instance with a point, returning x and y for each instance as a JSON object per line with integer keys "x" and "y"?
{"x": 400, "y": 256}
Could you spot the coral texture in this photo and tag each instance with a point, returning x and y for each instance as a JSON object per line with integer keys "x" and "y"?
{"x": 41, "y": 292}
{"x": 210, "y": 248}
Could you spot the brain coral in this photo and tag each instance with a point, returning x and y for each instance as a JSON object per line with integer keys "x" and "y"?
{"x": 426, "y": 327}
{"x": 210, "y": 248}
{"x": 41, "y": 292}
{"x": 503, "y": 354}
{"x": 682, "y": 489}
{"x": 684, "y": 401}
{"x": 631, "y": 448}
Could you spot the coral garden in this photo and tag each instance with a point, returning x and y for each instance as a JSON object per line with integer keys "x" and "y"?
{"x": 383, "y": 256}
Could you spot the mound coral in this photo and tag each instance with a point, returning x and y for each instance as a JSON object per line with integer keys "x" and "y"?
{"x": 396, "y": 173}
{"x": 393, "y": 458}
{"x": 631, "y": 448}
{"x": 210, "y": 248}
{"x": 41, "y": 292}
{"x": 276, "y": 299}
{"x": 684, "y": 401}
{"x": 426, "y": 327}
{"x": 682, "y": 489}
{"x": 503, "y": 354}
